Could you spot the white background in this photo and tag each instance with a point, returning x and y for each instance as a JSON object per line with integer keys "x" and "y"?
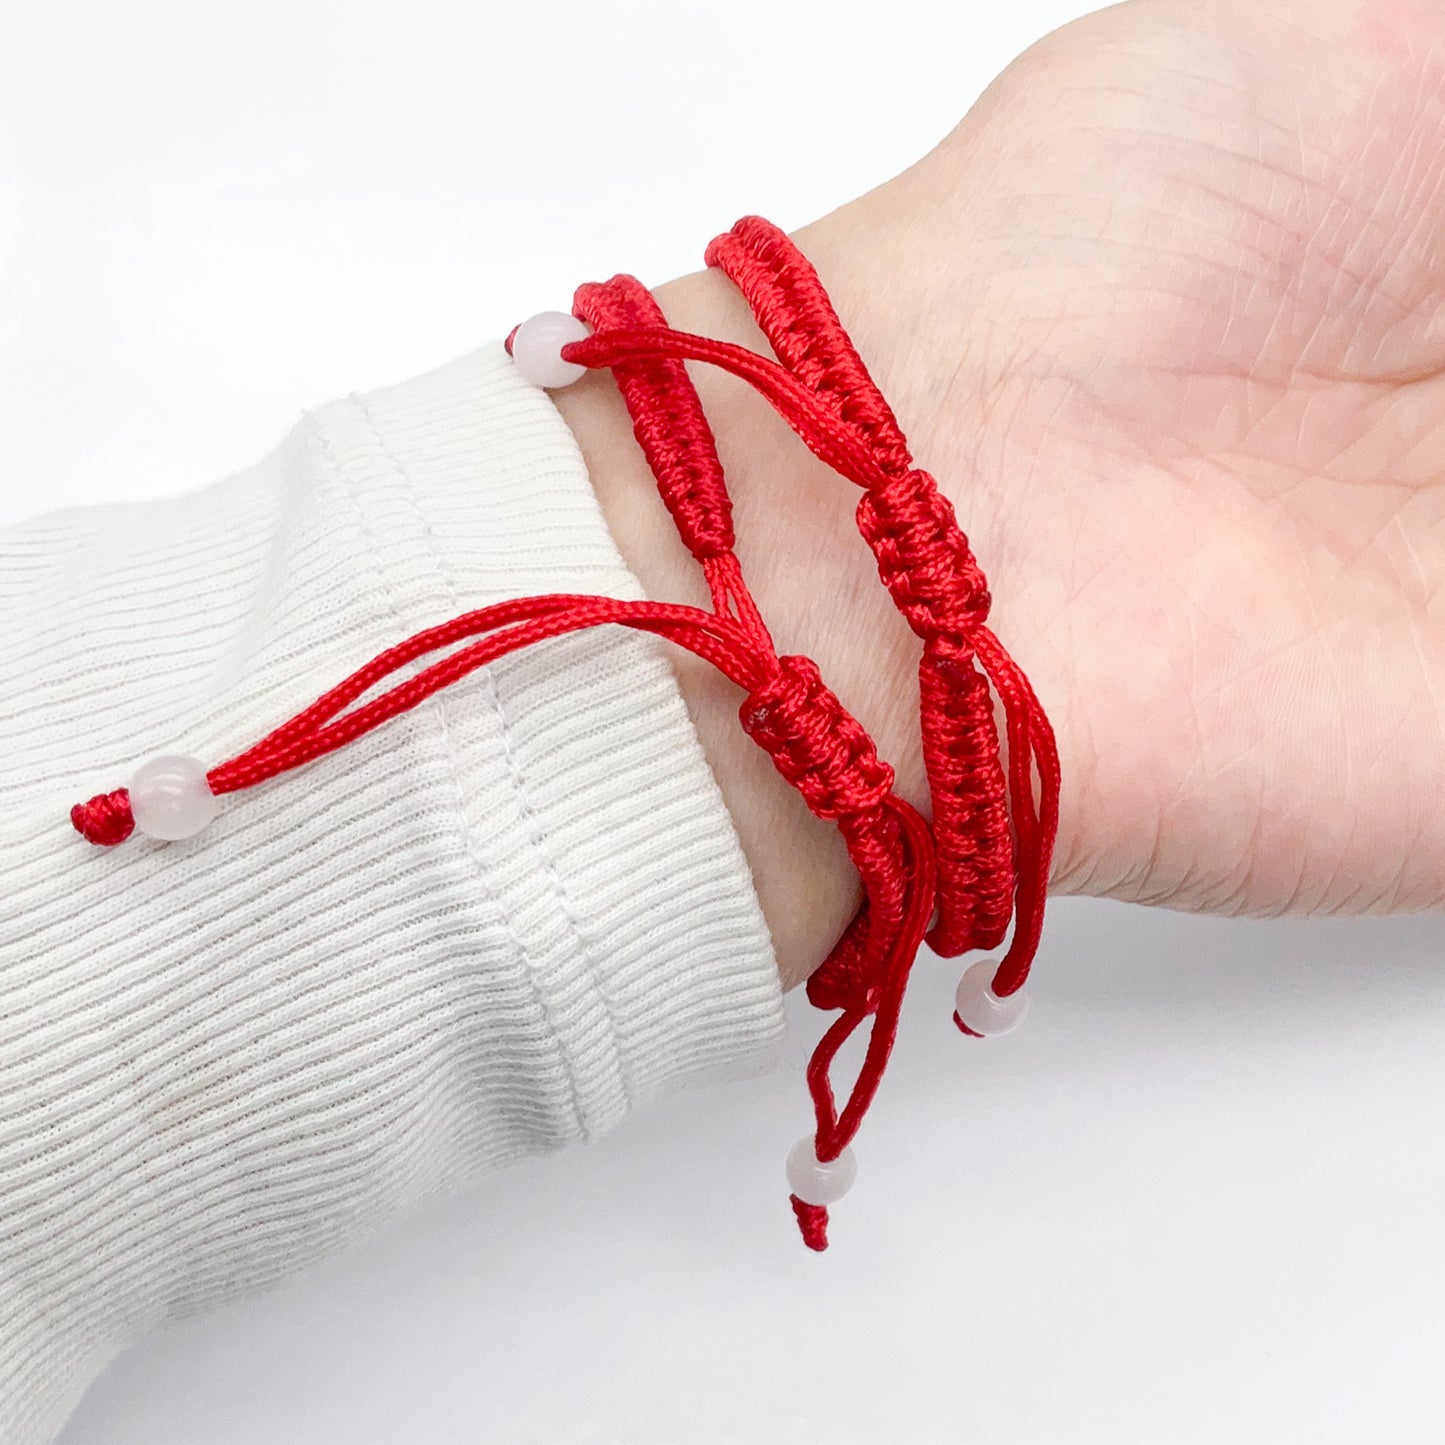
{"x": 1197, "y": 1199}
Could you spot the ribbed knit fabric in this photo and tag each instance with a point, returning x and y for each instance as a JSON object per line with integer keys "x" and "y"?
{"x": 486, "y": 930}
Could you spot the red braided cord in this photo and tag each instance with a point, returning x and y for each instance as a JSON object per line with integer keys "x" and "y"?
{"x": 926, "y": 563}
{"x": 793, "y": 311}
{"x": 667, "y": 420}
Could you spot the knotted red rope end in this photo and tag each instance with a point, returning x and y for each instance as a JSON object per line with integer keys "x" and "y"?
{"x": 106, "y": 819}
{"x": 812, "y": 1222}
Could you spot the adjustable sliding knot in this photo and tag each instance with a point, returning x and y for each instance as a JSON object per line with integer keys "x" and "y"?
{"x": 923, "y": 558}
{"x": 667, "y": 418}
{"x": 824, "y": 752}
{"x": 675, "y": 439}
{"x": 815, "y": 743}
{"x": 700, "y": 507}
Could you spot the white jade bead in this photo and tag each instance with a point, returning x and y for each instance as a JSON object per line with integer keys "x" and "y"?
{"x": 170, "y": 798}
{"x": 537, "y": 348}
{"x": 815, "y": 1182}
{"x": 981, "y": 1008}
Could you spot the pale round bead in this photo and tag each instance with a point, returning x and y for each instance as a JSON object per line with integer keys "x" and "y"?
{"x": 981, "y": 1009}
{"x": 815, "y": 1182}
{"x": 537, "y": 348}
{"x": 171, "y": 799}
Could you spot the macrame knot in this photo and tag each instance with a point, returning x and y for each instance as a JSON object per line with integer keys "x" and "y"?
{"x": 106, "y": 819}
{"x": 814, "y": 742}
{"x": 667, "y": 419}
{"x": 923, "y": 558}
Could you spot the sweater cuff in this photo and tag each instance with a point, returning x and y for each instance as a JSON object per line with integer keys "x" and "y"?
{"x": 480, "y": 931}
{"x": 613, "y": 852}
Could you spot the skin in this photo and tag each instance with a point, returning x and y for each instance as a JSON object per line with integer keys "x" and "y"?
{"x": 1165, "y": 315}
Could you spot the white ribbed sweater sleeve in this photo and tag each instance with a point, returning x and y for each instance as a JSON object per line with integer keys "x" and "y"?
{"x": 485, "y": 930}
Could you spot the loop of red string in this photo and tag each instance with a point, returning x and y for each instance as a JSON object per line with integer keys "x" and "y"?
{"x": 969, "y": 866}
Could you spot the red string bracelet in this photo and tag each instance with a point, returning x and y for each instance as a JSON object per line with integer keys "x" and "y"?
{"x": 814, "y": 743}
{"x": 674, "y": 435}
{"x": 926, "y": 563}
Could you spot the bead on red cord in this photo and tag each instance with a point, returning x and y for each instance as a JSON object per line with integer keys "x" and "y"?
{"x": 819, "y": 1182}
{"x": 979, "y": 1011}
{"x": 169, "y": 798}
{"x": 536, "y": 347}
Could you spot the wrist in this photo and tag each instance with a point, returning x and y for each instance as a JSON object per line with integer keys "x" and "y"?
{"x": 808, "y": 568}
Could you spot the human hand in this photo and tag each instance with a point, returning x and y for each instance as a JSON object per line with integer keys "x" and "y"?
{"x": 1164, "y": 317}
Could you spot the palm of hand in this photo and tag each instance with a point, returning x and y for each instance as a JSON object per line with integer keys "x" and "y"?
{"x": 1197, "y": 435}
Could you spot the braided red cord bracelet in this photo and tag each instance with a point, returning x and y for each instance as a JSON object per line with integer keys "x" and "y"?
{"x": 930, "y": 571}
{"x": 827, "y": 397}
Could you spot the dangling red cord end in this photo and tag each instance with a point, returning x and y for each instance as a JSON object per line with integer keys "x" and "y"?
{"x": 812, "y": 1222}
{"x": 106, "y": 819}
